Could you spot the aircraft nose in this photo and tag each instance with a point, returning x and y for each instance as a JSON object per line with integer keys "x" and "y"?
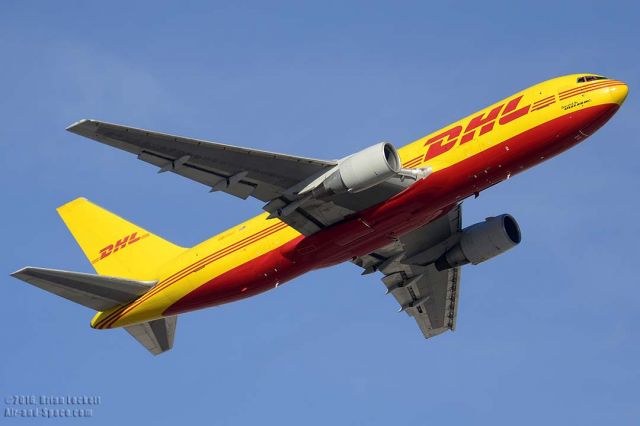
{"x": 619, "y": 93}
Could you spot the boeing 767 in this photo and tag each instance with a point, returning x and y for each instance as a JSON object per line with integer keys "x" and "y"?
{"x": 387, "y": 210}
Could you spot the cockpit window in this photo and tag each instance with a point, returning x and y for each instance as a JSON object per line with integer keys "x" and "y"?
{"x": 586, "y": 78}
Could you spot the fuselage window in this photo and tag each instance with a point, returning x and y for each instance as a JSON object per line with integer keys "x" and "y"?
{"x": 586, "y": 78}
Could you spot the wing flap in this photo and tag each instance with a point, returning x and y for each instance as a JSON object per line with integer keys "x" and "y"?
{"x": 242, "y": 172}
{"x": 270, "y": 173}
{"x": 430, "y": 298}
{"x": 216, "y": 181}
{"x": 93, "y": 291}
{"x": 428, "y": 295}
{"x": 157, "y": 335}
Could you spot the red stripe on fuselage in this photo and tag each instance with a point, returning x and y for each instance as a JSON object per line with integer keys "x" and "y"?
{"x": 114, "y": 316}
{"x": 589, "y": 86}
{"x": 413, "y": 161}
{"x": 544, "y": 100}
{"x": 419, "y": 204}
{"x": 589, "y": 89}
{"x": 544, "y": 105}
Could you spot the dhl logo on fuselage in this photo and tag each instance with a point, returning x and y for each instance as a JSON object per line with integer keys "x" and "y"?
{"x": 120, "y": 244}
{"x": 480, "y": 124}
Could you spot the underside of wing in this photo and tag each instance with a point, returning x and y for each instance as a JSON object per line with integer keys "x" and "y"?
{"x": 243, "y": 172}
{"x": 428, "y": 295}
{"x": 238, "y": 171}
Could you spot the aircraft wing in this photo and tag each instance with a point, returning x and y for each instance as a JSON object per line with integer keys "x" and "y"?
{"x": 242, "y": 172}
{"x": 428, "y": 295}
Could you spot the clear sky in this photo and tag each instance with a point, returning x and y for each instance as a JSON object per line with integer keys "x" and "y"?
{"x": 547, "y": 333}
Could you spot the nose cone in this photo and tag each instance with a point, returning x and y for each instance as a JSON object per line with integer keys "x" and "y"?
{"x": 619, "y": 93}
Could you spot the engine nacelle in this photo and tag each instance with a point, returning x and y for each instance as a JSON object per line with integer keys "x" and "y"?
{"x": 361, "y": 171}
{"x": 481, "y": 242}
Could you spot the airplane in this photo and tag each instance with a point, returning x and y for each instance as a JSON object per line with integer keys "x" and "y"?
{"x": 392, "y": 211}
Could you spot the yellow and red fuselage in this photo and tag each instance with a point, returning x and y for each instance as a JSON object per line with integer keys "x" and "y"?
{"x": 467, "y": 157}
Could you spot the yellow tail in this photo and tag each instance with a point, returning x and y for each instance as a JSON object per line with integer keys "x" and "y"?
{"x": 114, "y": 246}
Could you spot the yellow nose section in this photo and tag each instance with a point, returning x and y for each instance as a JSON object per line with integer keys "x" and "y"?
{"x": 619, "y": 93}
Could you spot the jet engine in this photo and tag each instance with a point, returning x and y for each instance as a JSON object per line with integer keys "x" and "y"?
{"x": 481, "y": 242}
{"x": 361, "y": 171}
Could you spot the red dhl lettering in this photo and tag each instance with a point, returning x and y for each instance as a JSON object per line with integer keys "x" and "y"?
{"x": 118, "y": 245}
{"x": 436, "y": 146}
{"x": 480, "y": 120}
{"x": 446, "y": 140}
{"x": 510, "y": 113}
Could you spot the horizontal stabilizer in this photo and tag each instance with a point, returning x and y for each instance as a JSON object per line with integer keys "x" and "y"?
{"x": 93, "y": 291}
{"x": 157, "y": 335}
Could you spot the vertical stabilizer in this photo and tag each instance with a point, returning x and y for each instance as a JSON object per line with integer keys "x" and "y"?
{"x": 114, "y": 246}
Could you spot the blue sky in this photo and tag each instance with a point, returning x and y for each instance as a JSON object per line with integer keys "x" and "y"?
{"x": 546, "y": 333}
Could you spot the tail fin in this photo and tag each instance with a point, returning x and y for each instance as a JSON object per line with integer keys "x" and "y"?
{"x": 114, "y": 246}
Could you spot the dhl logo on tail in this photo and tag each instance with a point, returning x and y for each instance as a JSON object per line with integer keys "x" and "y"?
{"x": 119, "y": 244}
